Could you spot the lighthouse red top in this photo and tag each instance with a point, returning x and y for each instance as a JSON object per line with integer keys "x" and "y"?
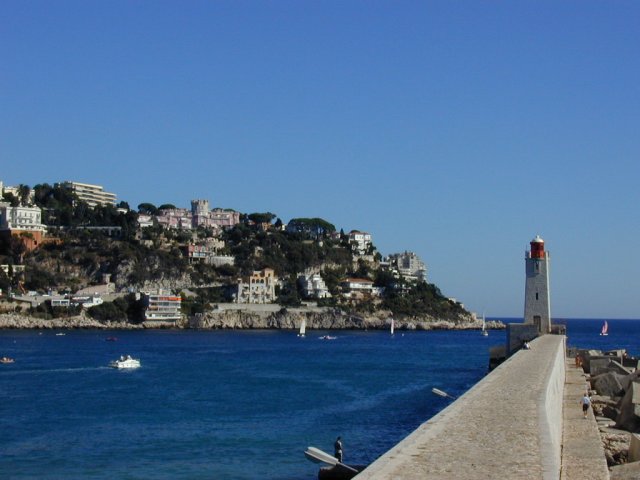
{"x": 537, "y": 247}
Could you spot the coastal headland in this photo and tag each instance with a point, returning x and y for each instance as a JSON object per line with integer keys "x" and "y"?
{"x": 259, "y": 317}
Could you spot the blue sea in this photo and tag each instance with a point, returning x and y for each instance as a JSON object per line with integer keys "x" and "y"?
{"x": 231, "y": 404}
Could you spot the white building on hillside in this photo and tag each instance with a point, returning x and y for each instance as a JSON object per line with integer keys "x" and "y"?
{"x": 409, "y": 265}
{"x": 93, "y": 195}
{"x": 361, "y": 241}
{"x": 24, "y": 222}
{"x": 145, "y": 221}
{"x": 314, "y": 286}
{"x": 360, "y": 286}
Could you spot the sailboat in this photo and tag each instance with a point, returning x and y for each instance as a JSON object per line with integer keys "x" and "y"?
{"x": 393, "y": 324}
{"x": 303, "y": 328}
{"x": 484, "y": 327}
{"x": 605, "y": 329}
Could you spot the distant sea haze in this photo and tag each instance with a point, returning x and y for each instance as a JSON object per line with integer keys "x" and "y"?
{"x": 232, "y": 405}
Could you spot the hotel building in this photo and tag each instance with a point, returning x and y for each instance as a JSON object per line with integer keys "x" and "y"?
{"x": 93, "y": 195}
{"x": 162, "y": 306}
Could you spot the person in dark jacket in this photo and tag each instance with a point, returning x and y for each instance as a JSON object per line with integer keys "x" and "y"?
{"x": 337, "y": 449}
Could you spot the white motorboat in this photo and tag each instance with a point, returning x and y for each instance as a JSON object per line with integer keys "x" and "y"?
{"x": 125, "y": 362}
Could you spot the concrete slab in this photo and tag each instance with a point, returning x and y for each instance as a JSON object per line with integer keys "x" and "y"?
{"x": 504, "y": 427}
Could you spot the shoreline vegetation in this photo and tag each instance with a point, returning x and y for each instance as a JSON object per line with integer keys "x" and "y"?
{"x": 243, "y": 319}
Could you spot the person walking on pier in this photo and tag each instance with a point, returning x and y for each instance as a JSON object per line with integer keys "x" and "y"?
{"x": 337, "y": 449}
{"x": 586, "y": 401}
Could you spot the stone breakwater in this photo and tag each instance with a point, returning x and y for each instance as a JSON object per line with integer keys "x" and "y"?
{"x": 508, "y": 425}
{"x": 239, "y": 319}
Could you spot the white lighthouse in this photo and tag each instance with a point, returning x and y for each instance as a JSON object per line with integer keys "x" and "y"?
{"x": 537, "y": 305}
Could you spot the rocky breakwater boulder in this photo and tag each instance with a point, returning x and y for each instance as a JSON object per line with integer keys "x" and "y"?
{"x": 618, "y": 399}
{"x": 629, "y": 408}
{"x": 619, "y": 385}
{"x": 609, "y": 384}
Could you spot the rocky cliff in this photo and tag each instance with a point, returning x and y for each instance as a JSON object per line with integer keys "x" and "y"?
{"x": 239, "y": 319}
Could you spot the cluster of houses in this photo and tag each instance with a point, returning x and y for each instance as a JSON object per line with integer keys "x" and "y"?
{"x": 25, "y": 222}
{"x": 160, "y": 306}
{"x": 200, "y": 215}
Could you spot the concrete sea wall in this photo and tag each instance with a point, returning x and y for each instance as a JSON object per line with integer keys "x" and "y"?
{"x": 550, "y": 414}
{"x": 509, "y": 425}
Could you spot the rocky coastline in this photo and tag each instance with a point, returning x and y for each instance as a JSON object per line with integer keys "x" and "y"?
{"x": 243, "y": 319}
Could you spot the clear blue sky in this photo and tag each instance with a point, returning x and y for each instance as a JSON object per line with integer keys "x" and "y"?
{"x": 458, "y": 130}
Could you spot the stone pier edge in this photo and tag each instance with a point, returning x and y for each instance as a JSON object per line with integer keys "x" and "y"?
{"x": 568, "y": 446}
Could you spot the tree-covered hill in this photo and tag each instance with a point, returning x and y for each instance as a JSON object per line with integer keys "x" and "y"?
{"x": 76, "y": 255}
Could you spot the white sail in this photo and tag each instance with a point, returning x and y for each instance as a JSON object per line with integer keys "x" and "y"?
{"x": 605, "y": 328}
{"x": 303, "y": 328}
{"x": 393, "y": 324}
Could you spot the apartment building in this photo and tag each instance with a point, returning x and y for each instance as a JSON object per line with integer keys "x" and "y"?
{"x": 197, "y": 253}
{"x": 93, "y": 195}
{"x": 224, "y": 217}
{"x": 360, "y": 287}
{"x": 313, "y": 286}
{"x": 409, "y": 265}
{"x": 178, "y": 218}
{"x": 259, "y": 287}
{"x": 198, "y": 216}
{"x": 162, "y": 306}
